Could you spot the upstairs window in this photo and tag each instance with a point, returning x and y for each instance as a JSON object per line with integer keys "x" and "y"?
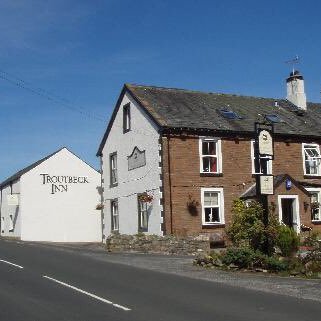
{"x": 260, "y": 170}
{"x": 114, "y": 215}
{"x": 212, "y": 206}
{"x": 311, "y": 159}
{"x": 113, "y": 169}
{"x": 126, "y": 118}
{"x": 210, "y": 155}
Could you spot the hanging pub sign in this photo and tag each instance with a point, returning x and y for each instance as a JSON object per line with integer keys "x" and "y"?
{"x": 266, "y": 185}
{"x": 265, "y": 142}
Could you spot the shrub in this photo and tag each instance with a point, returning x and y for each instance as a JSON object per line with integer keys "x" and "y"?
{"x": 247, "y": 228}
{"x": 242, "y": 257}
{"x": 287, "y": 240}
{"x": 312, "y": 240}
{"x": 273, "y": 264}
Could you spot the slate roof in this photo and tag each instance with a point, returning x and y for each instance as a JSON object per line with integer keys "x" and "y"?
{"x": 278, "y": 179}
{"x": 180, "y": 108}
{"x": 193, "y": 109}
{"x": 25, "y": 170}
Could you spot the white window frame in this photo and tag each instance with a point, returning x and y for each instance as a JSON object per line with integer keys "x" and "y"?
{"x": 114, "y": 215}
{"x": 296, "y": 207}
{"x": 269, "y": 162}
{"x": 142, "y": 212}
{"x": 317, "y": 147}
{"x": 113, "y": 169}
{"x": 126, "y": 118}
{"x": 11, "y": 223}
{"x": 2, "y": 224}
{"x": 220, "y": 205}
{"x": 218, "y": 155}
{"x": 315, "y": 190}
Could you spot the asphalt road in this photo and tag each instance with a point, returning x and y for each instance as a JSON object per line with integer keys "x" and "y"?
{"x": 50, "y": 284}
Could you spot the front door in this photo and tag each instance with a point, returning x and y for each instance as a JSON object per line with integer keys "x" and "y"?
{"x": 287, "y": 211}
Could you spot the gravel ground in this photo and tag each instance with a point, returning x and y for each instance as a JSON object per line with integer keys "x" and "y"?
{"x": 182, "y": 266}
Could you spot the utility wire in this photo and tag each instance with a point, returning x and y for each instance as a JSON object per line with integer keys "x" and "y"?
{"x": 44, "y": 94}
{"x": 20, "y": 83}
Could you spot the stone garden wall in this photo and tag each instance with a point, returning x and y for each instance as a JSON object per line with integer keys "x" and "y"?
{"x": 158, "y": 244}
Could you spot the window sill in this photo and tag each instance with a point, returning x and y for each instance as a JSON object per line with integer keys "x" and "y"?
{"x": 316, "y": 222}
{"x": 213, "y": 226}
{"x": 311, "y": 176}
{"x": 211, "y": 174}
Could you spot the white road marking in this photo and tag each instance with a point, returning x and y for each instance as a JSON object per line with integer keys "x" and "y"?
{"x": 16, "y": 265}
{"x": 88, "y": 293}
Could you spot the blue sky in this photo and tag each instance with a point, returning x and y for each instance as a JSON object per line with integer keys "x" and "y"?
{"x": 83, "y": 51}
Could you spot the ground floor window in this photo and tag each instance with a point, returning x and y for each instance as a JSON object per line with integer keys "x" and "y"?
{"x": 142, "y": 216}
{"x": 11, "y": 225}
{"x": 114, "y": 215}
{"x": 212, "y": 206}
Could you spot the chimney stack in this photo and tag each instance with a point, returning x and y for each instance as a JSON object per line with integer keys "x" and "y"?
{"x": 295, "y": 90}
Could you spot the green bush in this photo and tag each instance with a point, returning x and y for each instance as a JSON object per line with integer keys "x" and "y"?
{"x": 242, "y": 257}
{"x": 247, "y": 228}
{"x": 275, "y": 265}
{"x": 312, "y": 240}
{"x": 287, "y": 240}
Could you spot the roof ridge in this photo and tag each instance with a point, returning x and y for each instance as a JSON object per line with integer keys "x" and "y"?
{"x": 203, "y": 92}
{"x": 28, "y": 168}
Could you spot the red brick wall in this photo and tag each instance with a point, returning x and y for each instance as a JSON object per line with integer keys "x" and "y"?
{"x": 181, "y": 154}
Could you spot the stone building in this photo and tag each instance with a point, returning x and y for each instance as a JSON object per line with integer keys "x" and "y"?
{"x": 174, "y": 160}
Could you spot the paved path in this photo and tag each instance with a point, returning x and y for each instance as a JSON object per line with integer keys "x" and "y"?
{"x": 45, "y": 282}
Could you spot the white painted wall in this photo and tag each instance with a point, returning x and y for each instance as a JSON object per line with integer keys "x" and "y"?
{"x": 145, "y": 136}
{"x": 68, "y": 216}
{"x": 7, "y": 211}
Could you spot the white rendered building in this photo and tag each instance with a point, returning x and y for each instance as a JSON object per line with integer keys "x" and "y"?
{"x": 130, "y": 164}
{"x": 52, "y": 200}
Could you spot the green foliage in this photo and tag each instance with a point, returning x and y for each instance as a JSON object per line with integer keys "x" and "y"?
{"x": 248, "y": 258}
{"x": 287, "y": 240}
{"x": 273, "y": 264}
{"x": 247, "y": 228}
{"x": 312, "y": 240}
{"x": 242, "y": 257}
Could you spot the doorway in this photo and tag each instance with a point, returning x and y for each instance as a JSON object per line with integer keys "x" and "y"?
{"x": 289, "y": 211}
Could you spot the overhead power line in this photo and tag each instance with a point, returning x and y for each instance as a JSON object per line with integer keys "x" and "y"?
{"x": 18, "y": 82}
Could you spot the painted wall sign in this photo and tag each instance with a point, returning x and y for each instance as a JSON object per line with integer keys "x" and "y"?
{"x": 266, "y": 185}
{"x": 13, "y": 200}
{"x": 136, "y": 159}
{"x": 61, "y": 183}
{"x": 265, "y": 143}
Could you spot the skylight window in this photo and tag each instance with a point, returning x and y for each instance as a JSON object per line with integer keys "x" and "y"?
{"x": 229, "y": 114}
{"x": 274, "y": 118}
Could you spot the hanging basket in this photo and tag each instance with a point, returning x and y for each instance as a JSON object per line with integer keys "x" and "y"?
{"x": 192, "y": 206}
{"x": 145, "y": 198}
{"x": 99, "y": 206}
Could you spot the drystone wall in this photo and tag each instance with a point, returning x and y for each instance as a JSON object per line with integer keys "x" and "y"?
{"x": 158, "y": 244}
